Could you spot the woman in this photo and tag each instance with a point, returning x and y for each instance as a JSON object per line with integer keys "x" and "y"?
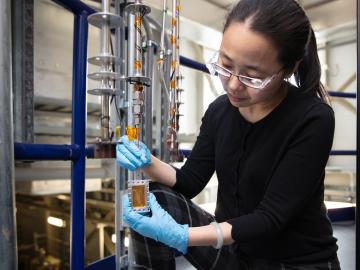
{"x": 268, "y": 142}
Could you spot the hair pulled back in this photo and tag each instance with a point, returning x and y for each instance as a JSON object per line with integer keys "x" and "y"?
{"x": 285, "y": 23}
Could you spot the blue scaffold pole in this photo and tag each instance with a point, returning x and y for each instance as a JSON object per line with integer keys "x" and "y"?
{"x": 77, "y": 246}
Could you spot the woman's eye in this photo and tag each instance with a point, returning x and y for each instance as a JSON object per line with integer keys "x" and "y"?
{"x": 256, "y": 80}
{"x": 254, "y": 76}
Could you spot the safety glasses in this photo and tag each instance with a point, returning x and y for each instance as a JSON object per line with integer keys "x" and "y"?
{"x": 217, "y": 70}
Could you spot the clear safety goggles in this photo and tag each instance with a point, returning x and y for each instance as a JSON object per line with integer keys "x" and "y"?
{"x": 218, "y": 70}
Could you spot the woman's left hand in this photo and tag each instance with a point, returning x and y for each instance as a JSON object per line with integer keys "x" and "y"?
{"x": 160, "y": 226}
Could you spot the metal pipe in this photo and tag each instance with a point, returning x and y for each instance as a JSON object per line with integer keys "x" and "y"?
{"x": 105, "y": 118}
{"x": 8, "y": 246}
{"x": 130, "y": 72}
{"x": 120, "y": 174}
{"x": 23, "y": 69}
{"x": 148, "y": 97}
{"x": 25, "y": 151}
{"x": 78, "y": 138}
{"x": 105, "y": 30}
{"x": 162, "y": 145}
{"x": 149, "y": 60}
{"x": 162, "y": 39}
{"x": 343, "y": 153}
{"x": 174, "y": 75}
{"x": 131, "y": 58}
{"x": 187, "y": 62}
{"x": 158, "y": 27}
{"x": 105, "y": 50}
{"x": 138, "y": 44}
{"x": 175, "y": 90}
{"x": 106, "y": 263}
{"x": 165, "y": 154}
{"x": 138, "y": 93}
{"x": 341, "y": 94}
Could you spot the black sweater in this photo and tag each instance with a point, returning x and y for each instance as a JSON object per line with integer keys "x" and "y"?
{"x": 270, "y": 174}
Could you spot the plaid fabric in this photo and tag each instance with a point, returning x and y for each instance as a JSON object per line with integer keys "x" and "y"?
{"x": 149, "y": 254}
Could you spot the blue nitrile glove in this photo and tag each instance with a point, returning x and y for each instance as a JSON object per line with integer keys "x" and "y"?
{"x": 160, "y": 226}
{"x": 130, "y": 156}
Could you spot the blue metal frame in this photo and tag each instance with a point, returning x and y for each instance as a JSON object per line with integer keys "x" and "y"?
{"x": 106, "y": 263}
{"x": 78, "y": 137}
{"x": 341, "y": 94}
{"x": 77, "y": 151}
{"x": 75, "y": 6}
{"x": 342, "y": 214}
{"x": 187, "y": 62}
{"x": 46, "y": 152}
{"x": 343, "y": 153}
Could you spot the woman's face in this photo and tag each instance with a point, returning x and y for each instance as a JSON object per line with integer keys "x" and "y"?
{"x": 248, "y": 53}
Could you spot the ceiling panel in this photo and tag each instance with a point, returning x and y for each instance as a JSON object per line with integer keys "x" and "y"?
{"x": 322, "y": 13}
{"x": 332, "y": 14}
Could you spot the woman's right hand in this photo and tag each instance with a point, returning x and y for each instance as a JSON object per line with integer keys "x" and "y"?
{"x": 131, "y": 156}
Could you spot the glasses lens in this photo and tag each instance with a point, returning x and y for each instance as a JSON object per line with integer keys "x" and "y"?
{"x": 221, "y": 71}
{"x": 252, "y": 82}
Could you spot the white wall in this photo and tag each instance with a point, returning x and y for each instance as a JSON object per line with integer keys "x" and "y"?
{"x": 341, "y": 63}
{"x": 53, "y": 46}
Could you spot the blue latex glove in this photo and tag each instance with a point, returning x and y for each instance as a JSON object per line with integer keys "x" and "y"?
{"x": 130, "y": 156}
{"x": 160, "y": 226}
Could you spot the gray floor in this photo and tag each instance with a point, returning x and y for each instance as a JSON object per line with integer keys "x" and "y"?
{"x": 344, "y": 232}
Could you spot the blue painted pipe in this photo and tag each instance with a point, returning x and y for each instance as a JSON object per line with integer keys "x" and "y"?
{"x": 75, "y": 6}
{"x": 341, "y": 94}
{"x": 27, "y": 151}
{"x": 106, "y": 263}
{"x": 343, "y": 153}
{"x": 90, "y": 151}
{"x": 77, "y": 246}
{"x": 187, "y": 62}
{"x": 185, "y": 152}
{"x": 341, "y": 214}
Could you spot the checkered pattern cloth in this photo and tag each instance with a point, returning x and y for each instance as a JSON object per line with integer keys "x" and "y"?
{"x": 150, "y": 254}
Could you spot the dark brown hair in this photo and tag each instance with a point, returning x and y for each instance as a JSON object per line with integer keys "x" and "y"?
{"x": 286, "y": 24}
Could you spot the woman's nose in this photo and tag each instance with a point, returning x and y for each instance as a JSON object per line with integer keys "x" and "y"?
{"x": 235, "y": 84}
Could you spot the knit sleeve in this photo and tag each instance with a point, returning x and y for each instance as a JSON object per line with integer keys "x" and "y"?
{"x": 294, "y": 181}
{"x": 199, "y": 166}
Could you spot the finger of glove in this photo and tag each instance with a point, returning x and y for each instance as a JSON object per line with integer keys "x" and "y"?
{"x": 121, "y": 150}
{"x": 124, "y": 162}
{"x": 131, "y": 146}
{"x": 145, "y": 154}
{"x": 131, "y": 217}
{"x": 122, "y": 159}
